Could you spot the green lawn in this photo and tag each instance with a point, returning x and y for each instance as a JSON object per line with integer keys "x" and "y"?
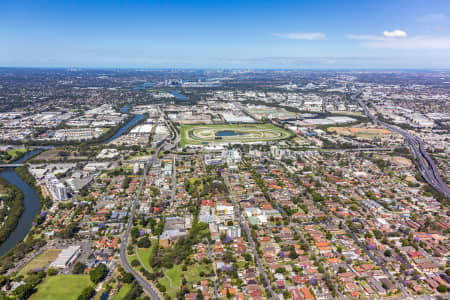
{"x": 192, "y": 275}
{"x": 145, "y": 254}
{"x": 193, "y": 272}
{"x": 198, "y": 134}
{"x": 193, "y": 179}
{"x": 16, "y": 153}
{"x": 122, "y": 292}
{"x": 175, "y": 276}
{"x": 12, "y": 154}
{"x": 147, "y": 152}
{"x": 131, "y": 257}
{"x": 67, "y": 287}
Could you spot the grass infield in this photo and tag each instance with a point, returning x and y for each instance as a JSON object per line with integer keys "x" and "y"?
{"x": 242, "y": 133}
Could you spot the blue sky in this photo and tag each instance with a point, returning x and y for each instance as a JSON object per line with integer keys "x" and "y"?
{"x": 226, "y": 34}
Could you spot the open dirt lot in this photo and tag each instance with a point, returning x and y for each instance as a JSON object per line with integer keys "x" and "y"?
{"x": 402, "y": 161}
{"x": 58, "y": 155}
{"x": 41, "y": 261}
{"x": 356, "y": 131}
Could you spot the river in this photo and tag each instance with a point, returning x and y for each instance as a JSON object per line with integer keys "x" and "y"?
{"x": 31, "y": 199}
{"x": 144, "y": 86}
{"x": 31, "y": 208}
{"x": 126, "y": 126}
{"x": 178, "y": 95}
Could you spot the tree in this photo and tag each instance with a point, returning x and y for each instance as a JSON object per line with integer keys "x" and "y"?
{"x": 388, "y": 253}
{"x": 134, "y": 292}
{"x": 200, "y": 295}
{"x": 24, "y": 291}
{"x": 134, "y": 232}
{"x": 442, "y": 288}
{"x": 78, "y": 268}
{"x": 144, "y": 242}
{"x": 52, "y": 272}
{"x": 86, "y": 293}
{"x": 3, "y": 280}
{"x": 127, "y": 277}
{"x": 68, "y": 232}
{"x": 98, "y": 273}
{"x": 34, "y": 278}
{"x": 135, "y": 263}
{"x": 293, "y": 255}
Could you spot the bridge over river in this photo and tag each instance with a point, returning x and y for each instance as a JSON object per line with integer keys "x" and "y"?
{"x": 11, "y": 165}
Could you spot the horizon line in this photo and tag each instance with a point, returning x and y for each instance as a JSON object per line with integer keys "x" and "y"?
{"x": 230, "y": 68}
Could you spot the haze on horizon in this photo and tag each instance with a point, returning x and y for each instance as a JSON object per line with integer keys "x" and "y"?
{"x": 230, "y": 34}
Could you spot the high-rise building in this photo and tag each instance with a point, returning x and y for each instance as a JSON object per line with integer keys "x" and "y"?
{"x": 56, "y": 188}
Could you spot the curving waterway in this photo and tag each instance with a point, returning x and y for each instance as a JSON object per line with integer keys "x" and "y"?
{"x": 31, "y": 205}
{"x": 30, "y": 195}
{"x": 179, "y": 96}
{"x": 126, "y": 126}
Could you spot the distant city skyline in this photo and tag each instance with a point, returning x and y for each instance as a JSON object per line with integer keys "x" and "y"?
{"x": 206, "y": 34}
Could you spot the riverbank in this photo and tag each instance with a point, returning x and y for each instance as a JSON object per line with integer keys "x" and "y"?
{"x": 31, "y": 205}
{"x": 32, "y": 202}
{"x": 136, "y": 119}
{"x": 26, "y": 176}
{"x": 13, "y": 207}
{"x": 12, "y": 155}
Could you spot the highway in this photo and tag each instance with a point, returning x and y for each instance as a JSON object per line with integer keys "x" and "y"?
{"x": 175, "y": 139}
{"x": 425, "y": 163}
{"x": 146, "y": 285}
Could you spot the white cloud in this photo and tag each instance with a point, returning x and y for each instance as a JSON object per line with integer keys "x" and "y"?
{"x": 398, "y": 39}
{"x": 432, "y": 18}
{"x": 311, "y": 36}
{"x": 386, "y": 35}
{"x": 418, "y": 42}
{"x": 395, "y": 34}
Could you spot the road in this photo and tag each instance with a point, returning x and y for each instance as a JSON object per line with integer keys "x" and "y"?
{"x": 360, "y": 149}
{"x": 377, "y": 261}
{"x": 426, "y": 165}
{"x": 175, "y": 139}
{"x": 26, "y": 260}
{"x": 243, "y": 225}
{"x": 146, "y": 285}
{"x": 174, "y": 181}
{"x": 216, "y": 293}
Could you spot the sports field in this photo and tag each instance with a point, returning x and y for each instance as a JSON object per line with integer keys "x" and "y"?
{"x": 58, "y": 287}
{"x": 229, "y": 133}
